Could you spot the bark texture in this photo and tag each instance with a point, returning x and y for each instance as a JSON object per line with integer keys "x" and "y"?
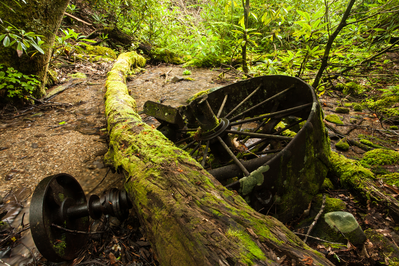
{"x": 188, "y": 216}
{"x": 41, "y": 17}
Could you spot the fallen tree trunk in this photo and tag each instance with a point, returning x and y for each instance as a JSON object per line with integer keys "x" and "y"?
{"x": 188, "y": 216}
{"x": 361, "y": 181}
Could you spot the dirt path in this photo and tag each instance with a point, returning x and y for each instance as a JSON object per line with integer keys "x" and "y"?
{"x": 68, "y": 134}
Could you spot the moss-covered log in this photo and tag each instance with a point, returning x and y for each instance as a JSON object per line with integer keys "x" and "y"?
{"x": 188, "y": 216}
{"x": 361, "y": 181}
{"x": 42, "y": 17}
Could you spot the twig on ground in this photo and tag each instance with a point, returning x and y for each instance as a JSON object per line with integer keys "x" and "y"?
{"x": 76, "y": 231}
{"x": 316, "y": 218}
{"x": 322, "y": 240}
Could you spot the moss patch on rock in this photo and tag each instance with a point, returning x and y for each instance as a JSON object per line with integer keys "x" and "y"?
{"x": 98, "y": 50}
{"x": 167, "y": 56}
{"x": 380, "y": 157}
{"x": 342, "y": 145}
{"x": 342, "y": 110}
{"x": 357, "y": 107}
{"x": 334, "y": 119}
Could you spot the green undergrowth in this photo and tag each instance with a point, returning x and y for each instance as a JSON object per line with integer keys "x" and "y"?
{"x": 352, "y": 88}
{"x": 385, "y": 103}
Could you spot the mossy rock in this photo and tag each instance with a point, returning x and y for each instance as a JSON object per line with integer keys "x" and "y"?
{"x": 342, "y": 145}
{"x": 164, "y": 55}
{"x": 98, "y": 51}
{"x": 357, "y": 107}
{"x": 334, "y": 119}
{"x": 380, "y": 157}
{"x": 342, "y": 110}
{"x": 393, "y": 127}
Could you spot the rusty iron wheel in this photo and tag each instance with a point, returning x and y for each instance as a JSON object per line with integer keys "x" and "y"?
{"x": 269, "y": 124}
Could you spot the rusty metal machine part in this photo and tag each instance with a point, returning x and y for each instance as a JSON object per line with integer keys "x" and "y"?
{"x": 233, "y": 131}
{"x": 59, "y": 213}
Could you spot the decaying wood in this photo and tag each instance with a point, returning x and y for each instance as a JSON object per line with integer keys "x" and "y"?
{"x": 188, "y": 216}
{"x": 361, "y": 181}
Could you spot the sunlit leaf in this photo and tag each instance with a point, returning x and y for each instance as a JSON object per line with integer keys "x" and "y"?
{"x": 6, "y": 41}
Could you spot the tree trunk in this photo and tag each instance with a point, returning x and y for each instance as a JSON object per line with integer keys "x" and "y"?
{"x": 42, "y": 17}
{"x": 245, "y": 37}
{"x": 188, "y": 216}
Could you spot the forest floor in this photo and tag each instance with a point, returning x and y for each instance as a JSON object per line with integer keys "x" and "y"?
{"x": 66, "y": 134}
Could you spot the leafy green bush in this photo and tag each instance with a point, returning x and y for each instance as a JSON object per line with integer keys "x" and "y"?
{"x": 16, "y": 84}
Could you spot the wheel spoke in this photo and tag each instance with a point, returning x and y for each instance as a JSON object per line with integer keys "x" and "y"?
{"x": 183, "y": 140}
{"x": 259, "y": 135}
{"x": 222, "y": 106}
{"x": 195, "y": 148}
{"x": 282, "y": 112}
{"x": 243, "y": 101}
{"x": 261, "y": 103}
{"x": 236, "y": 161}
{"x": 188, "y": 145}
{"x": 269, "y": 151}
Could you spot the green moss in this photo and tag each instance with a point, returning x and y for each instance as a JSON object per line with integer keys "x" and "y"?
{"x": 331, "y": 204}
{"x": 342, "y": 110}
{"x": 167, "y": 56}
{"x": 287, "y": 132}
{"x": 98, "y": 50}
{"x": 327, "y": 184}
{"x": 393, "y": 127}
{"x": 252, "y": 250}
{"x": 52, "y": 77}
{"x": 351, "y": 173}
{"x": 357, "y": 107}
{"x": 380, "y": 157}
{"x": 369, "y": 143}
{"x": 78, "y": 75}
{"x": 351, "y": 88}
{"x": 391, "y": 179}
{"x": 334, "y": 119}
{"x": 384, "y": 105}
{"x": 60, "y": 246}
{"x": 342, "y": 145}
{"x": 198, "y": 94}
{"x": 353, "y": 121}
